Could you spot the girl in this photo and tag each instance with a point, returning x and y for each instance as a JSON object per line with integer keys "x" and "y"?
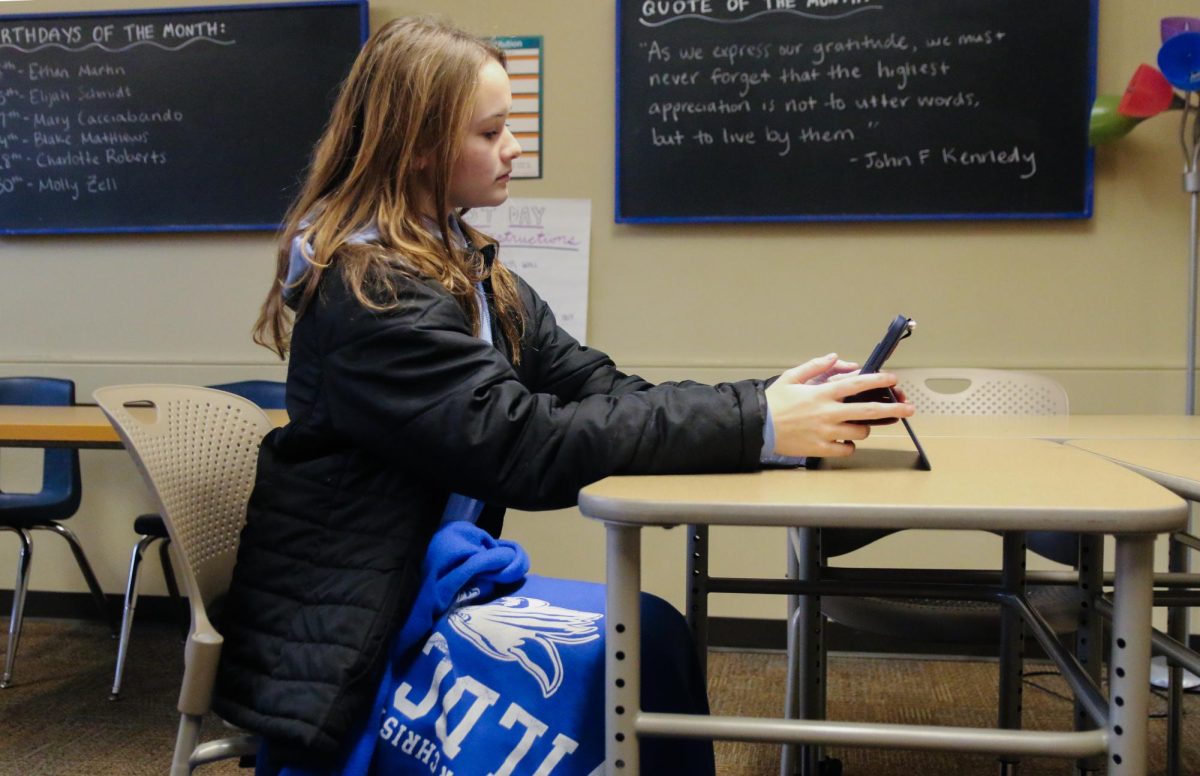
{"x": 429, "y": 383}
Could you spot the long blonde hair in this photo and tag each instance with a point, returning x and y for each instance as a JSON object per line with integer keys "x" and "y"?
{"x": 389, "y": 148}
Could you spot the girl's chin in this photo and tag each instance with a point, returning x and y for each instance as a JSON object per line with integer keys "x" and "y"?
{"x": 497, "y": 196}
{"x": 500, "y": 198}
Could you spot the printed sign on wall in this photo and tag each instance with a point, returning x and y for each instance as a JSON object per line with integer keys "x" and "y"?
{"x": 525, "y": 74}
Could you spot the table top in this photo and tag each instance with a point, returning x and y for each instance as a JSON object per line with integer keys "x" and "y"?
{"x": 83, "y": 426}
{"x": 1058, "y": 428}
{"x": 993, "y": 484}
{"x": 86, "y": 426}
{"x": 1172, "y": 463}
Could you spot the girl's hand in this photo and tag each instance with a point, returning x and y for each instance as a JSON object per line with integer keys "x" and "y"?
{"x": 810, "y": 415}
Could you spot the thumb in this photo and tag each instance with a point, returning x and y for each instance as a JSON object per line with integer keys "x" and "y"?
{"x": 809, "y": 369}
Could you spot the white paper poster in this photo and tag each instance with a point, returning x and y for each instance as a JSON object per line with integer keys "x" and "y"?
{"x": 546, "y": 242}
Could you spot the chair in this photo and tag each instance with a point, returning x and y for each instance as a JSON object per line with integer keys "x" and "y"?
{"x": 982, "y": 392}
{"x": 197, "y": 450}
{"x": 951, "y": 391}
{"x": 57, "y": 500}
{"x": 949, "y": 620}
{"x": 267, "y": 394}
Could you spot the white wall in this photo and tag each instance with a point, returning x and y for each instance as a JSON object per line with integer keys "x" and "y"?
{"x": 1098, "y": 304}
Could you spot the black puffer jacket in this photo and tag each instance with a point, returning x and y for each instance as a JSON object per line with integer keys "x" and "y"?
{"x": 390, "y": 413}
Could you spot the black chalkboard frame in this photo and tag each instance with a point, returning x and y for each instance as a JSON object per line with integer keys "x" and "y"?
{"x": 1085, "y": 211}
{"x": 360, "y": 7}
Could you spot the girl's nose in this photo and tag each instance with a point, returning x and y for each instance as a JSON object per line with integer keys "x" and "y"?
{"x": 514, "y": 148}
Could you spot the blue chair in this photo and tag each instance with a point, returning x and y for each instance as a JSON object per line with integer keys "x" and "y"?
{"x": 23, "y": 513}
{"x": 267, "y": 394}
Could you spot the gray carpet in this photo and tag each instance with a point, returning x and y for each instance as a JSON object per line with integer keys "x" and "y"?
{"x": 57, "y": 719}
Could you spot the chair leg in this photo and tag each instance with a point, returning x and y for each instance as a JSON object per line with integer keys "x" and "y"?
{"x": 226, "y": 748}
{"x": 86, "y": 568}
{"x": 25, "y": 560}
{"x": 131, "y": 596}
{"x": 185, "y": 743}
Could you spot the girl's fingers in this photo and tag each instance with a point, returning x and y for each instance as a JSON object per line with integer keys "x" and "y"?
{"x": 876, "y": 410}
{"x": 836, "y": 449}
{"x": 809, "y": 369}
{"x": 856, "y": 384}
{"x": 852, "y": 431}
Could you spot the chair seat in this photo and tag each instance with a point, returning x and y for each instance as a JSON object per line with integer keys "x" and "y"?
{"x": 949, "y": 621}
{"x": 150, "y": 525}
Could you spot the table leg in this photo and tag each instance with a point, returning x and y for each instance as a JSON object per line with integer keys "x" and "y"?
{"x": 697, "y": 592}
{"x": 805, "y": 698}
{"x": 1129, "y": 668}
{"x": 1177, "y": 628}
{"x": 791, "y": 691}
{"x": 1012, "y": 644}
{"x": 622, "y": 649}
{"x": 1088, "y": 647}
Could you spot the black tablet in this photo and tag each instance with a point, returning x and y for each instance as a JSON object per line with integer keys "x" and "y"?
{"x": 900, "y": 328}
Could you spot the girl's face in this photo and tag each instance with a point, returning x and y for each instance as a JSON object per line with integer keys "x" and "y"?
{"x": 480, "y": 176}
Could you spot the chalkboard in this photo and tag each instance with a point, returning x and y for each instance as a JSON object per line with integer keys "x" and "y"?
{"x": 166, "y": 120}
{"x": 762, "y": 110}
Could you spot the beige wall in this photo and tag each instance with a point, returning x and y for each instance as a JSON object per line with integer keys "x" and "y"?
{"x": 1098, "y": 304}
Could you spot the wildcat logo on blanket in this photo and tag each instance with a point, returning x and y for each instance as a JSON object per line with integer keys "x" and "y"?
{"x": 527, "y": 631}
{"x": 511, "y": 728}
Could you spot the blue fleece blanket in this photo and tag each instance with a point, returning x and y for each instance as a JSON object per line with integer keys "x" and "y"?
{"x": 501, "y": 672}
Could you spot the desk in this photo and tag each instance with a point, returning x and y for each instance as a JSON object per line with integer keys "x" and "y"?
{"x": 1058, "y": 428}
{"x": 1172, "y": 463}
{"x": 85, "y": 426}
{"x": 82, "y": 426}
{"x": 993, "y": 484}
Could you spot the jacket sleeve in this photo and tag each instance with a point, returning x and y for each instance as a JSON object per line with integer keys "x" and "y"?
{"x": 416, "y": 387}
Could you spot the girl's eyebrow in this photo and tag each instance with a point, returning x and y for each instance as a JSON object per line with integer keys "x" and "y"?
{"x": 498, "y": 115}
